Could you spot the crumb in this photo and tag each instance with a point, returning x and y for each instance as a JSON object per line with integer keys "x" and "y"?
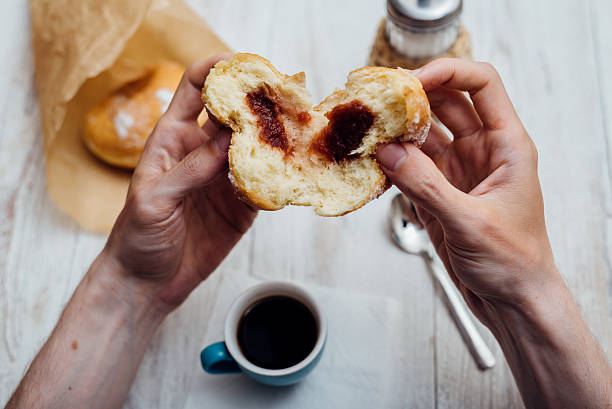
{"x": 75, "y": 345}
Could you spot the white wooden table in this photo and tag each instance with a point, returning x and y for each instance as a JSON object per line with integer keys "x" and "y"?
{"x": 555, "y": 58}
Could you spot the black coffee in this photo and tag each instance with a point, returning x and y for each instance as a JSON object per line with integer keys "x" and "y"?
{"x": 277, "y": 332}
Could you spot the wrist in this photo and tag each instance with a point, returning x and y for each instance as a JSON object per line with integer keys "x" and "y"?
{"x": 126, "y": 292}
{"x": 96, "y": 347}
{"x": 535, "y": 309}
{"x": 554, "y": 359}
{"x": 528, "y": 338}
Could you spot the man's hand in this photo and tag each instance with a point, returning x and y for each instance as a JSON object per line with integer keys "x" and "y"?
{"x": 180, "y": 220}
{"x": 479, "y": 198}
{"x": 478, "y": 195}
{"x": 181, "y": 217}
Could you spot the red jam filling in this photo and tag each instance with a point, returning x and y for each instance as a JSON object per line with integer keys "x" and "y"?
{"x": 303, "y": 118}
{"x": 348, "y": 124}
{"x": 271, "y": 126}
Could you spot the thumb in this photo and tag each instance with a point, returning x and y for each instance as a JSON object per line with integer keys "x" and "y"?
{"x": 199, "y": 168}
{"x": 417, "y": 176}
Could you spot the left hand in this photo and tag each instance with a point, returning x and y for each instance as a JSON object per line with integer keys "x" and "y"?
{"x": 181, "y": 217}
{"x": 478, "y": 195}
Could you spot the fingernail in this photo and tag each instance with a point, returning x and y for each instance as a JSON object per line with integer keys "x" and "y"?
{"x": 417, "y": 71}
{"x": 223, "y": 139}
{"x": 391, "y": 155}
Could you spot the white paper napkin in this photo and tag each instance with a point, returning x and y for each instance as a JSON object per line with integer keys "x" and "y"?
{"x": 361, "y": 366}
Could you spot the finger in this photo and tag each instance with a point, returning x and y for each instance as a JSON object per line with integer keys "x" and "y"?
{"x": 437, "y": 141}
{"x": 455, "y": 111}
{"x": 480, "y": 80}
{"x": 210, "y": 128}
{"x": 199, "y": 168}
{"x": 416, "y": 175}
{"x": 187, "y": 102}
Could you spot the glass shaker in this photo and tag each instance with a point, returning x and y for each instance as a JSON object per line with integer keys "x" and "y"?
{"x": 417, "y": 31}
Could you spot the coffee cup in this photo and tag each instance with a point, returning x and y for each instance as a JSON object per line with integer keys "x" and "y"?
{"x": 275, "y": 332}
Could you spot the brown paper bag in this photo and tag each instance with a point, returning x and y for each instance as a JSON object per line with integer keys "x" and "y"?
{"x": 84, "y": 49}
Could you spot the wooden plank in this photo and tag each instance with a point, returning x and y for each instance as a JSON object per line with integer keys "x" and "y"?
{"x": 601, "y": 30}
{"x": 554, "y": 62}
{"x": 545, "y": 57}
{"x": 29, "y": 305}
{"x": 43, "y": 254}
{"x": 460, "y": 384}
{"x": 327, "y": 40}
{"x": 165, "y": 376}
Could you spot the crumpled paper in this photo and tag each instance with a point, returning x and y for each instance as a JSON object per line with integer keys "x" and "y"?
{"x": 85, "y": 49}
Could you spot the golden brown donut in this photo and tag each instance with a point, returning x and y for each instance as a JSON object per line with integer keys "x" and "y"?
{"x": 283, "y": 151}
{"x": 116, "y": 129}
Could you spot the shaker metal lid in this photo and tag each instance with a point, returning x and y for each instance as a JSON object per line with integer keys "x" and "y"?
{"x": 424, "y": 15}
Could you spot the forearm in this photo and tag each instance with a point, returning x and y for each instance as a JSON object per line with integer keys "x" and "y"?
{"x": 554, "y": 358}
{"x": 93, "y": 354}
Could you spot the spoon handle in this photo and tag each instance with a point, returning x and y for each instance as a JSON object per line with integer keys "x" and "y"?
{"x": 479, "y": 349}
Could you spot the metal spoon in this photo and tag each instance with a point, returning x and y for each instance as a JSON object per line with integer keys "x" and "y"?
{"x": 409, "y": 234}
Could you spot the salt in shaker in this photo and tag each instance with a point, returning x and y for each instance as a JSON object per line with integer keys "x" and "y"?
{"x": 417, "y": 31}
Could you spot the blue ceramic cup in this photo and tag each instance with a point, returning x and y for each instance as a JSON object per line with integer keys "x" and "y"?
{"x": 226, "y": 357}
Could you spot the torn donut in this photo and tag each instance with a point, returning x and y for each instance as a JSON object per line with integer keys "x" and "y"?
{"x": 285, "y": 152}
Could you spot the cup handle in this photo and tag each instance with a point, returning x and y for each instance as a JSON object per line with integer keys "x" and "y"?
{"x": 216, "y": 359}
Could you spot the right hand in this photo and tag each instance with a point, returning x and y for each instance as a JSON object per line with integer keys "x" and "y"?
{"x": 478, "y": 195}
